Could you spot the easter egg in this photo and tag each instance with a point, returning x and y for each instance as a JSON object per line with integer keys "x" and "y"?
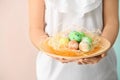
{"x": 84, "y": 46}
{"x": 77, "y": 36}
{"x": 87, "y": 39}
{"x": 74, "y": 45}
{"x": 63, "y": 42}
{"x": 82, "y": 34}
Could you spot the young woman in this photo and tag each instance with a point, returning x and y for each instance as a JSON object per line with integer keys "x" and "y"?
{"x": 48, "y": 17}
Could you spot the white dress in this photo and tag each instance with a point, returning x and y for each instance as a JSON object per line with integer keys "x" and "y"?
{"x": 60, "y": 15}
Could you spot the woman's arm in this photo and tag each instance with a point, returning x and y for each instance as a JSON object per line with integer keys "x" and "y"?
{"x": 110, "y": 30}
{"x": 110, "y": 18}
{"x": 37, "y": 24}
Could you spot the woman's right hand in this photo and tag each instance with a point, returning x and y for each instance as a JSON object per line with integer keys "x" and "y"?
{"x": 64, "y": 60}
{"x": 91, "y": 60}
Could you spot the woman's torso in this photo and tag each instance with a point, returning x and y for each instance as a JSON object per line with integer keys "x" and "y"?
{"x": 66, "y": 14}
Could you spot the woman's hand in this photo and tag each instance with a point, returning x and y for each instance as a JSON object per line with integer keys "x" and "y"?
{"x": 63, "y": 60}
{"x": 91, "y": 60}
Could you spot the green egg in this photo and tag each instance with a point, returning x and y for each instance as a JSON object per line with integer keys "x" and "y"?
{"x": 87, "y": 39}
{"x": 75, "y": 35}
{"x": 82, "y": 34}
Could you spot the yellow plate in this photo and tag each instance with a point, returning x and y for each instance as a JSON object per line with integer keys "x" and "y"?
{"x": 101, "y": 46}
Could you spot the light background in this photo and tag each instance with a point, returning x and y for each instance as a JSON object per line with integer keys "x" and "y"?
{"x": 17, "y": 54}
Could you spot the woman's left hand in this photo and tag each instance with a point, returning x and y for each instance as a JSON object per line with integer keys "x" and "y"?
{"x": 91, "y": 60}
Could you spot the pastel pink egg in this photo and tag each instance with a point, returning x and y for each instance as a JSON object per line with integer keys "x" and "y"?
{"x": 74, "y": 45}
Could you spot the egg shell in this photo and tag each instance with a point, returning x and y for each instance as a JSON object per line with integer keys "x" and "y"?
{"x": 84, "y": 46}
{"x": 63, "y": 42}
{"x": 74, "y": 45}
{"x": 75, "y": 35}
{"x": 87, "y": 39}
{"x": 82, "y": 34}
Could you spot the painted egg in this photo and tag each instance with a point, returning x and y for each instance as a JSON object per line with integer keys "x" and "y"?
{"x": 77, "y": 36}
{"x": 84, "y": 46}
{"x": 82, "y": 34}
{"x": 74, "y": 45}
{"x": 87, "y": 39}
{"x": 63, "y": 42}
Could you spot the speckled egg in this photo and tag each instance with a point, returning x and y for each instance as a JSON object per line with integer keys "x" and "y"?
{"x": 84, "y": 46}
{"x": 63, "y": 42}
{"x": 74, "y": 45}
{"x": 87, "y": 39}
{"x": 75, "y": 35}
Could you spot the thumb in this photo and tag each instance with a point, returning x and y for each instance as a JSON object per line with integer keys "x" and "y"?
{"x": 103, "y": 55}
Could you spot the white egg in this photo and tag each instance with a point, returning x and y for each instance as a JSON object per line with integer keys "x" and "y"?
{"x": 84, "y": 46}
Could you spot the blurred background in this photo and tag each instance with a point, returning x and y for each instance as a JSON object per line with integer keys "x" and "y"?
{"x": 17, "y": 54}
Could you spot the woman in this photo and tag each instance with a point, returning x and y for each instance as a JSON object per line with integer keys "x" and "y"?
{"x": 48, "y": 17}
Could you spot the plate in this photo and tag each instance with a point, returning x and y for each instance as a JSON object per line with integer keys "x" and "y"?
{"x": 101, "y": 45}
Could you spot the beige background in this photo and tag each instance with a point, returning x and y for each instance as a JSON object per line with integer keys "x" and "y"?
{"x": 17, "y": 54}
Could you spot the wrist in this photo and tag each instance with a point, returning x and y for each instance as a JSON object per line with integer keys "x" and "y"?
{"x": 44, "y": 34}
{"x": 108, "y": 39}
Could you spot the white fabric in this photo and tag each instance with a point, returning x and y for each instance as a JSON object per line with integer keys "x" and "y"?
{"x": 58, "y": 20}
{"x": 76, "y": 6}
{"x": 64, "y": 14}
